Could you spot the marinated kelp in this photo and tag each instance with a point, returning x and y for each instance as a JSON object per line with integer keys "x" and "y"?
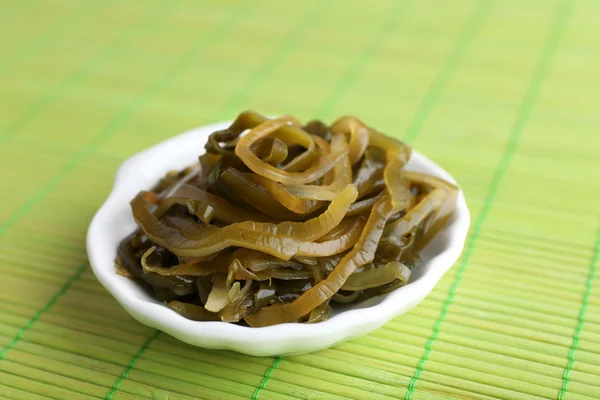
{"x": 278, "y": 221}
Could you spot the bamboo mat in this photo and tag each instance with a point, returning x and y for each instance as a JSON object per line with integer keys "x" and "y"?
{"x": 503, "y": 94}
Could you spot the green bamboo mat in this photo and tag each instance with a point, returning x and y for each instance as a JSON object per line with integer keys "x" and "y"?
{"x": 503, "y": 94}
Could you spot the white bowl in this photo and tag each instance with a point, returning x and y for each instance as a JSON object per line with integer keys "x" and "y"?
{"x": 114, "y": 221}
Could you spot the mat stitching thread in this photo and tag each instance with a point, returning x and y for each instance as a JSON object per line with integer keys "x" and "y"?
{"x": 267, "y": 376}
{"x": 560, "y": 18}
{"x": 46, "y": 36}
{"x": 64, "y": 288}
{"x": 290, "y": 42}
{"x": 79, "y": 75}
{"x": 115, "y": 123}
{"x": 581, "y": 317}
{"x": 131, "y": 364}
{"x": 337, "y": 93}
{"x": 439, "y": 83}
{"x": 365, "y": 56}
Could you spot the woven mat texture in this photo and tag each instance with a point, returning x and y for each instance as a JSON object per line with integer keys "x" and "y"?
{"x": 503, "y": 94}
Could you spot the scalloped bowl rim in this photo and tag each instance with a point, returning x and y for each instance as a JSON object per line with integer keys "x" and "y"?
{"x": 175, "y": 153}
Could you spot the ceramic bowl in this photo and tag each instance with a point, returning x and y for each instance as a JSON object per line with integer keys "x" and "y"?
{"x": 114, "y": 221}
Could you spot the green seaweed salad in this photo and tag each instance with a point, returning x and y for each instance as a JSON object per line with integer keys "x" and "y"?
{"x": 279, "y": 220}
